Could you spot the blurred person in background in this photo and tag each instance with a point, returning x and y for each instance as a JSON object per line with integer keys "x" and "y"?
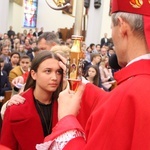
{"x": 14, "y": 61}
{"x": 5, "y": 53}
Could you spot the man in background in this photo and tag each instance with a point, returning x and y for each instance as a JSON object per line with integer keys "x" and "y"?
{"x": 24, "y": 66}
{"x": 104, "y": 40}
{"x": 41, "y": 31}
{"x": 11, "y": 32}
{"x": 47, "y": 40}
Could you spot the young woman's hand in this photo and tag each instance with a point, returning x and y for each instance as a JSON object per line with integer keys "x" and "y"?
{"x": 62, "y": 64}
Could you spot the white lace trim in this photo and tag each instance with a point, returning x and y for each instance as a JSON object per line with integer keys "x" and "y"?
{"x": 60, "y": 142}
{"x": 44, "y": 146}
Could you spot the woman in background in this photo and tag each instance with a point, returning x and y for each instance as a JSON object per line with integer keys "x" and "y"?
{"x": 92, "y": 75}
{"x": 106, "y": 74}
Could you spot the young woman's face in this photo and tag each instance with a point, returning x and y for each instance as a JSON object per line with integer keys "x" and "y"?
{"x": 21, "y": 48}
{"x": 48, "y": 75}
{"x": 91, "y": 72}
{"x": 15, "y": 59}
{"x": 97, "y": 59}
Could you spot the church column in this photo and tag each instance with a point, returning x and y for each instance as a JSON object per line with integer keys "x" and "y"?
{"x": 4, "y": 11}
{"x": 98, "y": 22}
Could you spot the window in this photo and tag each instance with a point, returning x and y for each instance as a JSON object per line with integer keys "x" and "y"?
{"x": 30, "y": 13}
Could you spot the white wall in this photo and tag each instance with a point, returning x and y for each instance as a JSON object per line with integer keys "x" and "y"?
{"x": 106, "y": 19}
{"x": 46, "y": 17}
{"x": 16, "y": 17}
{"x": 4, "y": 7}
{"x": 51, "y": 19}
{"x": 93, "y": 24}
{"x": 98, "y": 22}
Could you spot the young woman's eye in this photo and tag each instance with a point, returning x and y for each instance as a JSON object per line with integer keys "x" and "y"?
{"x": 59, "y": 72}
{"x": 47, "y": 71}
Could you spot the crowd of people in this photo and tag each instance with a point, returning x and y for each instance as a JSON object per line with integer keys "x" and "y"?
{"x": 120, "y": 118}
{"x": 48, "y": 115}
{"x": 18, "y": 56}
{"x": 18, "y": 51}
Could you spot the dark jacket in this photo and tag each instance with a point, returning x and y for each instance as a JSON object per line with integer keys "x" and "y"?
{"x": 5, "y": 85}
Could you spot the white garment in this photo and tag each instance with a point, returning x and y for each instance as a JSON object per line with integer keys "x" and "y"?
{"x": 60, "y": 142}
{"x": 146, "y": 56}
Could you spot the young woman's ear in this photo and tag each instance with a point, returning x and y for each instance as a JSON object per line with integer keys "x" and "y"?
{"x": 33, "y": 74}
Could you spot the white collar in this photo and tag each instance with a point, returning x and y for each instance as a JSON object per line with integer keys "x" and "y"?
{"x": 146, "y": 56}
{"x": 33, "y": 54}
{"x": 23, "y": 70}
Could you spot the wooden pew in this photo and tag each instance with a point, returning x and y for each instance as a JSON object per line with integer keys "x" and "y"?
{"x": 7, "y": 96}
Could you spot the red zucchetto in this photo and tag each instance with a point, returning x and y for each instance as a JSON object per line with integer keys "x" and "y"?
{"x": 141, "y": 7}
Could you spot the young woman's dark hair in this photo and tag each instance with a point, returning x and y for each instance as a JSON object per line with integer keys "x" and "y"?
{"x": 96, "y": 79}
{"x": 13, "y": 53}
{"x": 43, "y": 55}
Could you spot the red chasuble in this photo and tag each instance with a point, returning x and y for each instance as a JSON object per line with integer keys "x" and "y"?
{"x": 121, "y": 121}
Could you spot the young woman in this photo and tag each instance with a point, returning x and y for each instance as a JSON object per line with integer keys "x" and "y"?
{"x": 38, "y": 114}
{"x": 92, "y": 75}
{"x": 88, "y": 103}
{"x": 106, "y": 74}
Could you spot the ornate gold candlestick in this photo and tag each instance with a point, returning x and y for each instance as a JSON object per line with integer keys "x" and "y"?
{"x": 75, "y": 67}
{"x": 74, "y": 63}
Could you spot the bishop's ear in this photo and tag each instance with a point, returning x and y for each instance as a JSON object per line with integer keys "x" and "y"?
{"x": 124, "y": 27}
